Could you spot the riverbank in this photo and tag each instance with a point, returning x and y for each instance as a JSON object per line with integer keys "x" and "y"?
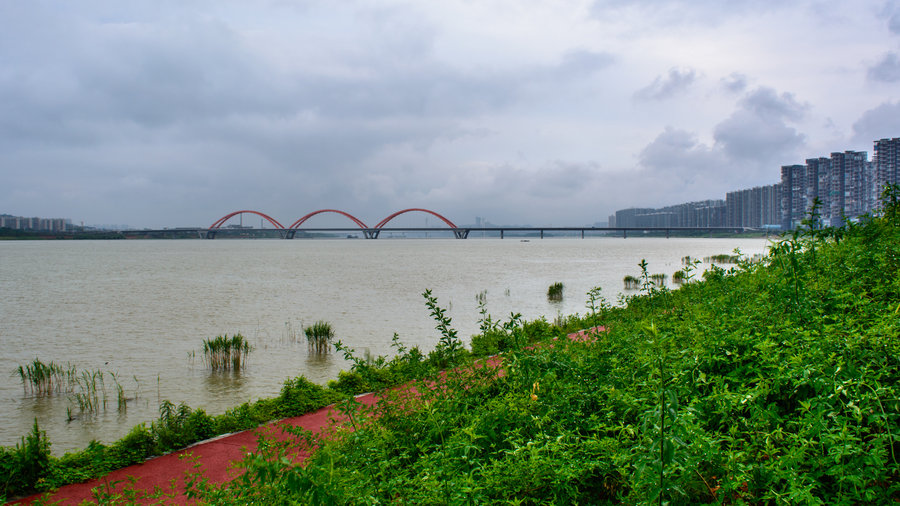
{"x": 770, "y": 382}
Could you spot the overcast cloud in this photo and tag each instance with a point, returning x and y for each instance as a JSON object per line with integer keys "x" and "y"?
{"x": 162, "y": 114}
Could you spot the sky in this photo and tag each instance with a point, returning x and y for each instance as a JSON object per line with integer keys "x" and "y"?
{"x": 173, "y": 113}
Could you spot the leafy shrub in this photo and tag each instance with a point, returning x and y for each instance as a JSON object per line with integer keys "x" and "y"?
{"x": 300, "y": 396}
{"x": 767, "y": 383}
{"x": 25, "y": 465}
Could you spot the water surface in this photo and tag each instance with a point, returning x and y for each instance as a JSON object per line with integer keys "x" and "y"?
{"x": 141, "y": 308}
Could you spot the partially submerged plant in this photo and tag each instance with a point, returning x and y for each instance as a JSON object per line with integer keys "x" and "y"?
{"x": 224, "y": 353}
{"x": 555, "y": 292}
{"x": 723, "y": 258}
{"x": 42, "y": 379}
{"x": 319, "y": 336}
{"x": 91, "y": 394}
{"x": 631, "y": 282}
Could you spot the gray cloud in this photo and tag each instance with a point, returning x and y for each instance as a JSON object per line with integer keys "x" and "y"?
{"x": 734, "y": 83}
{"x": 680, "y": 11}
{"x": 759, "y": 131}
{"x": 585, "y": 62}
{"x": 877, "y": 123}
{"x": 886, "y": 70}
{"x": 175, "y": 113}
{"x": 891, "y": 11}
{"x": 766, "y": 103}
{"x": 748, "y": 147}
{"x": 665, "y": 87}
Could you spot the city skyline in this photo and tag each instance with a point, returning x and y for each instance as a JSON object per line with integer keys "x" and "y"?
{"x": 172, "y": 115}
{"x": 846, "y": 185}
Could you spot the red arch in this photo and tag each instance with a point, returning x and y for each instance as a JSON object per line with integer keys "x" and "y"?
{"x": 299, "y": 222}
{"x": 398, "y": 213}
{"x": 221, "y": 221}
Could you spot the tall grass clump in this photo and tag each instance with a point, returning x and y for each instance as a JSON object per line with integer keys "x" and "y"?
{"x": 555, "y": 292}
{"x": 90, "y": 393}
{"x": 318, "y": 337}
{"x": 722, "y": 258}
{"x": 226, "y": 354}
{"x": 631, "y": 282}
{"x": 42, "y": 379}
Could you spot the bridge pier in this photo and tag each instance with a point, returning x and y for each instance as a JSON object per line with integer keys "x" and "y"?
{"x": 371, "y": 233}
{"x": 461, "y": 233}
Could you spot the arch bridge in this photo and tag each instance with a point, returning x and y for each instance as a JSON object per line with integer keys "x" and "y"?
{"x": 368, "y": 232}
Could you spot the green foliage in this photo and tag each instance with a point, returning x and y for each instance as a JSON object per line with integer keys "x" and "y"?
{"x": 372, "y": 374}
{"x": 300, "y": 396}
{"x": 30, "y": 467}
{"x": 42, "y": 379}
{"x": 319, "y": 336}
{"x": 223, "y": 353}
{"x": 26, "y": 465}
{"x": 449, "y": 350}
{"x": 774, "y": 382}
{"x": 555, "y": 292}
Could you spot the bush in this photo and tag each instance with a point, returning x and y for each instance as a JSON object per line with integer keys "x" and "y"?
{"x": 300, "y": 396}
{"x": 25, "y": 466}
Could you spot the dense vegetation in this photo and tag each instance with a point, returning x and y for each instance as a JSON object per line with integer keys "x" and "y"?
{"x": 775, "y": 382}
{"x": 771, "y": 383}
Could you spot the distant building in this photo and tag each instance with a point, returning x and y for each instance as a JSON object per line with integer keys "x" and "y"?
{"x": 887, "y": 165}
{"x": 39, "y": 224}
{"x": 705, "y": 213}
{"x": 846, "y": 185}
{"x": 756, "y": 207}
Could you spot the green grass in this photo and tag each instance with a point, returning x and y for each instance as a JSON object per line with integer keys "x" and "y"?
{"x": 555, "y": 292}
{"x": 223, "y": 353}
{"x": 319, "y": 336}
{"x": 42, "y": 379}
{"x": 775, "y": 382}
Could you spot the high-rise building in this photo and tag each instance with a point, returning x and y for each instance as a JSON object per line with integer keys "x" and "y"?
{"x": 846, "y": 185}
{"x": 887, "y": 165}
{"x": 847, "y": 182}
{"x": 794, "y": 196}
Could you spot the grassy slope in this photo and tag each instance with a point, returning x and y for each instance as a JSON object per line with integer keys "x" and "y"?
{"x": 770, "y": 384}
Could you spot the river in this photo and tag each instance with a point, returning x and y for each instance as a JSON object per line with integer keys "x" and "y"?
{"x": 140, "y": 309}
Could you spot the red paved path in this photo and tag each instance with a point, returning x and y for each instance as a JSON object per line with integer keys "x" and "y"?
{"x": 167, "y": 471}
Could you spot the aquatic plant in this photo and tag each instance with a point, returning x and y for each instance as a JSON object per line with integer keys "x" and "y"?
{"x": 42, "y": 379}
{"x": 319, "y": 336}
{"x": 90, "y": 394}
{"x": 224, "y": 353}
{"x": 723, "y": 258}
{"x": 631, "y": 282}
{"x": 555, "y": 292}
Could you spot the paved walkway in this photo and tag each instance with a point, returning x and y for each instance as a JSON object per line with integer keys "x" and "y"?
{"x": 167, "y": 472}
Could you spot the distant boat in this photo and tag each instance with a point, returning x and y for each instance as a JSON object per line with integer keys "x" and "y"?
{"x": 524, "y": 240}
